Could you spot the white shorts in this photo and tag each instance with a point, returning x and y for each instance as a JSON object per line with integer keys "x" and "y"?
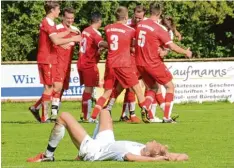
{"x": 93, "y": 149}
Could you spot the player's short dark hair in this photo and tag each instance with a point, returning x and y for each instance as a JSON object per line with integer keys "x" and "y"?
{"x": 68, "y": 10}
{"x": 139, "y": 9}
{"x": 155, "y": 8}
{"x": 95, "y": 17}
{"x": 50, "y": 5}
{"x": 121, "y": 13}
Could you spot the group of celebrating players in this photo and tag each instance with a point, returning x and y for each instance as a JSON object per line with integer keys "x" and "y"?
{"x": 135, "y": 51}
{"x": 136, "y": 48}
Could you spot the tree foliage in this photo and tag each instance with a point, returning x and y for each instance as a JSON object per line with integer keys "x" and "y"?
{"x": 198, "y": 21}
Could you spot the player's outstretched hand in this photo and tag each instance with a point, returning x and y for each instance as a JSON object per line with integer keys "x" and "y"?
{"x": 188, "y": 53}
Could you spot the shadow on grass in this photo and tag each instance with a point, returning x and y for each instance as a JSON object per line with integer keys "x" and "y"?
{"x": 20, "y": 122}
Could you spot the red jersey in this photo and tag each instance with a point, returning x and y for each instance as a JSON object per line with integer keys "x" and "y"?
{"x": 88, "y": 55}
{"x": 66, "y": 54}
{"x": 119, "y": 37}
{"x": 46, "y": 52}
{"x": 149, "y": 37}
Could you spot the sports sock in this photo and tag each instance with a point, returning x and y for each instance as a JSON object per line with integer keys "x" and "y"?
{"x": 160, "y": 100}
{"x": 46, "y": 99}
{"x": 55, "y": 102}
{"x": 86, "y": 100}
{"x": 168, "y": 105}
{"x": 98, "y": 107}
{"x": 56, "y": 136}
{"x": 37, "y": 105}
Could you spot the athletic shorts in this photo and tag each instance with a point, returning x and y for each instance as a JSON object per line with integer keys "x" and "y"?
{"x": 89, "y": 76}
{"x": 126, "y": 76}
{"x": 159, "y": 74}
{"x": 61, "y": 70}
{"x": 47, "y": 73}
{"x": 95, "y": 149}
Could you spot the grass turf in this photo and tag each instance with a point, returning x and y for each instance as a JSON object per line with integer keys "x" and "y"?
{"x": 204, "y": 131}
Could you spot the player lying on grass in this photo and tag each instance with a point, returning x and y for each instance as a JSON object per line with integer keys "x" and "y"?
{"x": 103, "y": 145}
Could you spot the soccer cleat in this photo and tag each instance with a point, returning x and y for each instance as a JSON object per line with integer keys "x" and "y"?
{"x": 144, "y": 116}
{"x": 156, "y": 120}
{"x": 165, "y": 120}
{"x": 175, "y": 117}
{"x": 41, "y": 158}
{"x": 35, "y": 113}
{"x": 53, "y": 118}
{"x": 81, "y": 116}
{"x": 134, "y": 119}
{"x": 124, "y": 119}
{"x": 91, "y": 120}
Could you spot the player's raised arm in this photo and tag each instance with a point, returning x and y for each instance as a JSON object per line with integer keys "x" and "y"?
{"x": 180, "y": 50}
{"x": 136, "y": 158}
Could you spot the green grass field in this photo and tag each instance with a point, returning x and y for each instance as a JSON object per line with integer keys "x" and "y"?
{"x": 204, "y": 131}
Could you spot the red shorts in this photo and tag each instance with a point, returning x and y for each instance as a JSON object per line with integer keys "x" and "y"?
{"x": 159, "y": 74}
{"x": 47, "y": 73}
{"x": 125, "y": 76}
{"x": 89, "y": 77}
{"x": 67, "y": 78}
{"x": 61, "y": 70}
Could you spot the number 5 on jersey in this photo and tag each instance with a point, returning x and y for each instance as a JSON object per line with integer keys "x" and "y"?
{"x": 141, "y": 38}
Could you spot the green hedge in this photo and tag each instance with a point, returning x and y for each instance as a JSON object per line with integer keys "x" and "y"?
{"x": 205, "y": 26}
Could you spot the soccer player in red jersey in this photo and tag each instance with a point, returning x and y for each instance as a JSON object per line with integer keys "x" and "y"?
{"x": 89, "y": 56}
{"x": 120, "y": 39}
{"x": 150, "y": 36}
{"x": 129, "y": 98}
{"x": 47, "y": 57}
{"x": 64, "y": 53}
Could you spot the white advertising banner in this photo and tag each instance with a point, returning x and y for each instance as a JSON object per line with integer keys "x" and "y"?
{"x": 194, "y": 81}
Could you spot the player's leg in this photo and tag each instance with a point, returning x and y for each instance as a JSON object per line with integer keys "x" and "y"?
{"x": 159, "y": 98}
{"x": 109, "y": 81}
{"x": 87, "y": 102}
{"x": 60, "y": 75}
{"x": 131, "y": 100}
{"x": 168, "y": 101}
{"x": 100, "y": 103}
{"x": 125, "y": 108}
{"x": 56, "y": 94}
{"x": 75, "y": 130}
{"x": 34, "y": 109}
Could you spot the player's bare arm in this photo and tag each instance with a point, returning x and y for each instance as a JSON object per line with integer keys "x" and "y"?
{"x": 58, "y": 40}
{"x": 103, "y": 44}
{"x": 135, "y": 158}
{"x": 180, "y": 50}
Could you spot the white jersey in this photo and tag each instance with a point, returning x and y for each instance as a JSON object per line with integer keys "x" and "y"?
{"x": 104, "y": 147}
{"x": 121, "y": 148}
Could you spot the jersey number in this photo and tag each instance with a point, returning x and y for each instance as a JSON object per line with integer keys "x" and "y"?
{"x": 141, "y": 38}
{"x": 83, "y": 45}
{"x": 114, "y": 44}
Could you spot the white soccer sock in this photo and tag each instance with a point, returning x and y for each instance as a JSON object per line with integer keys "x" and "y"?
{"x": 126, "y": 110}
{"x": 55, "y": 105}
{"x": 170, "y": 110}
{"x": 96, "y": 130}
{"x": 111, "y": 103}
{"x": 56, "y": 136}
{"x": 89, "y": 110}
{"x": 132, "y": 108}
{"x": 153, "y": 109}
{"x": 162, "y": 106}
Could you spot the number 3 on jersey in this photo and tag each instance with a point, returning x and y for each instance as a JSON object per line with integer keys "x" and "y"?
{"x": 83, "y": 45}
{"x": 141, "y": 38}
{"x": 114, "y": 45}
